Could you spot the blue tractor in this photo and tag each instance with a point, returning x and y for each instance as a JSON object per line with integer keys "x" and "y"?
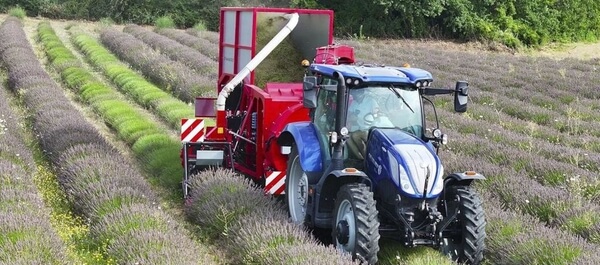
{"x": 366, "y": 166}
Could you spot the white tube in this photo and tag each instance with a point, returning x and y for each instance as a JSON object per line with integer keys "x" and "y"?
{"x": 229, "y": 87}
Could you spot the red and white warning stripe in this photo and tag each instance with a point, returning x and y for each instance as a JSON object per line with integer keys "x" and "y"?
{"x": 275, "y": 183}
{"x": 192, "y": 130}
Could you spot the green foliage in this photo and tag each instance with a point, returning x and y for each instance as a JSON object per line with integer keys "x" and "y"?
{"x": 18, "y": 12}
{"x": 164, "y": 22}
{"x": 540, "y": 251}
{"x": 200, "y": 26}
{"x": 514, "y": 23}
{"x": 107, "y": 21}
{"x": 393, "y": 252}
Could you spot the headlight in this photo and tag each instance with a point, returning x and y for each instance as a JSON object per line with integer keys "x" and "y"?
{"x": 405, "y": 182}
{"x": 418, "y": 83}
{"x": 394, "y": 168}
{"x": 437, "y": 133}
{"x": 348, "y": 81}
{"x": 344, "y": 131}
{"x": 439, "y": 181}
{"x": 399, "y": 175}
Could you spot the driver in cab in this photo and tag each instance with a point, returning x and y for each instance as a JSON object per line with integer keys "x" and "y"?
{"x": 363, "y": 113}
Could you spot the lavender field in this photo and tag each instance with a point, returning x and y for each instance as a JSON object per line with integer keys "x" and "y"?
{"x": 102, "y": 105}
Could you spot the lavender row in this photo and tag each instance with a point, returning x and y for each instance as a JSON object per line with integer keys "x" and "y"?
{"x": 520, "y": 239}
{"x": 497, "y": 72}
{"x": 122, "y": 210}
{"x": 164, "y": 104}
{"x": 581, "y": 159}
{"x": 564, "y": 79}
{"x": 526, "y": 69}
{"x": 203, "y": 45}
{"x": 26, "y": 234}
{"x": 546, "y": 171}
{"x": 205, "y": 34}
{"x": 175, "y": 50}
{"x": 488, "y": 113}
{"x": 253, "y": 227}
{"x": 567, "y": 120}
{"x": 512, "y": 187}
{"x": 172, "y": 76}
{"x": 562, "y": 126}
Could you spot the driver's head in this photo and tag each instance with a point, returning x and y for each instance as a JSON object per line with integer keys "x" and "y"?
{"x": 358, "y": 94}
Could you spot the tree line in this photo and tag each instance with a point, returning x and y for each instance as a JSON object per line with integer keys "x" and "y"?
{"x": 514, "y": 23}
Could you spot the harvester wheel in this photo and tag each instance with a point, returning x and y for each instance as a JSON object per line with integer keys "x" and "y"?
{"x": 466, "y": 243}
{"x": 356, "y": 227}
{"x": 296, "y": 187}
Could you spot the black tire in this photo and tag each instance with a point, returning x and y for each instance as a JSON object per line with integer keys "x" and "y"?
{"x": 296, "y": 188}
{"x": 467, "y": 243}
{"x": 355, "y": 224}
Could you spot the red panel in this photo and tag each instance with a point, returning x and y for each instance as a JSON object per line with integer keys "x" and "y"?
{"x": 335, "y": 54}
{"x": 284, "y": 91}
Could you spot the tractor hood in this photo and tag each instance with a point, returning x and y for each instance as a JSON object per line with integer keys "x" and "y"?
{"x": 410, "y": 163}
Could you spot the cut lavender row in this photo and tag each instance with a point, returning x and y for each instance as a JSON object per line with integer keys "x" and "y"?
{"x": 172, "y": 76}
{"x": 175, "y": 50}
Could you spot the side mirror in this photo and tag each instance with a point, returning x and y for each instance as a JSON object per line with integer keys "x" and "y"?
{"x": 461, "y": 96}
{"x": 309, "y": 99}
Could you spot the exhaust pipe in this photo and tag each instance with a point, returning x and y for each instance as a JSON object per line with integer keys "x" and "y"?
{"x": 229, "y": 87}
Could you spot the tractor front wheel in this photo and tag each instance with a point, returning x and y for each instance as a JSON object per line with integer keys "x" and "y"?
{"x": 355, "y": 226}
{"x": 296, "y": 188}
{"x": 463, "y": 240}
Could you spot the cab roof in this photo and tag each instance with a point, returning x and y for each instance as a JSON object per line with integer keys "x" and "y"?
{"x": 374, "y": 74}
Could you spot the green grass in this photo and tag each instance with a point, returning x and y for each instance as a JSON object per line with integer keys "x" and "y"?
{"x": 164, "y": 22}
{"x": 581, "y": 223}
{"x": 17, "y": 12}
{"x": 539, "y": 251}
{"x": 200, "y": 26}
{"x": 393, "y": 252}
{"x": 106, "y": 22}
{"x": 72, "y": 229}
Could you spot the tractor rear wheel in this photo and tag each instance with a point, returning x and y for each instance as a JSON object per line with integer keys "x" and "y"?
{"x": 296, "y": 187}
{"x": 463, "y": 240}
{"x": 355, "y": 226}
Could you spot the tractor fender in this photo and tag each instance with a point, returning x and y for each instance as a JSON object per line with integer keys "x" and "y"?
{"x": 462, "y": 178}
{"x": 305, "y": 136}
{"x": 344, "y": 176}
{"x": 326, "y": 193}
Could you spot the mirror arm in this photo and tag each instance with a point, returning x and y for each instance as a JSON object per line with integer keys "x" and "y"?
{"x": 437, "y": 91}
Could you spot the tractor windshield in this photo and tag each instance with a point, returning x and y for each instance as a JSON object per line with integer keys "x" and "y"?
{"x": 385, "y": 106}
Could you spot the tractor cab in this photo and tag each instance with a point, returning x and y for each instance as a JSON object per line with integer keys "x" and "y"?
{"x": 376, "y": 97}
